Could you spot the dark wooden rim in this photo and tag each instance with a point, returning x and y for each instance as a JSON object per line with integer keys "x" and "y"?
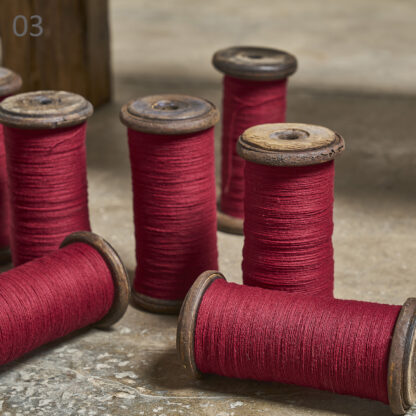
{"x": 229, "y": 224}
{"x": 5, "y": 256}
{"x": 10, "y": 82}
{"x": 187, "y": 320}
{"x": 44, "y": 110}
{"x": 169, "y": 114}
{"x": 401, "y": 379}
{"x": 255, "y": 63}
{"x": 262, "y": 155}
{"x": 155, "y": 305}
{"x": 118, "y": 272}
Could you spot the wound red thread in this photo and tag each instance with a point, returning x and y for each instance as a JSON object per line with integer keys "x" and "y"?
{"x": 4, "y": 211}
{"x": 174, "y": 210}
{"x": 51, "y": 297}
{"x": 245, "y": 104}
{"x": 48, "y": 188}
{"x": 288, "y": 228}
{"x": 329, "y": 344}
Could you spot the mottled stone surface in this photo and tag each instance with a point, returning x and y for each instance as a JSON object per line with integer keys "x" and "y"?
{"x": 356, "y": 47}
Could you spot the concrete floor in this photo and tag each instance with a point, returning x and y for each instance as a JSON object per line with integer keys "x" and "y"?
{"x": 356, "y": 76}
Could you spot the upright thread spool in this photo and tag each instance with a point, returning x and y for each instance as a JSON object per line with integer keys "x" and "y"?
{"x": 254, "y": 93}
{"x": 171, "y": 141}
{"x": 289, "y": 180}
{"x": 10, "y": 83}
{"x": 82, "y": 283}
{"x": 348, "y": 347}
{"x": 46, "y": 162}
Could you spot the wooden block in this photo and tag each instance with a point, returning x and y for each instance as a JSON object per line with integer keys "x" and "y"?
{"x": 72, "y": 53}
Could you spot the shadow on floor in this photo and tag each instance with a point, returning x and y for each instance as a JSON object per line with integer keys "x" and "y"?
{"x": 167, "y": 373}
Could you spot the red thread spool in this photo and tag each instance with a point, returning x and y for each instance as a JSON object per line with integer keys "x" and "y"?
{"x": 46, "y": 162}
{"x": 289, "y": 180}
{"x": 82, "y": 283}
{"x": 171, "y": 141}
{"x": 10, "y": 83}
{"x": 348, "y": 347}
{"x": 254, "y": 93}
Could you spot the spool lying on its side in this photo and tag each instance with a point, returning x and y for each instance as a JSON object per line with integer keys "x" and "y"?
{"x": 45, "y": 146}
{"x": 178, "y": 128}
{"x": 401, "y": 386}
{"x": 82, "y": 283}
{"x": 254, "y": 93}
{"x": 10, "y": 83}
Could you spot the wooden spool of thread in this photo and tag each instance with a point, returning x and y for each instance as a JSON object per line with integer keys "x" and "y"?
{"x": 46, "y": 161}
{"x": 82, "y": 283}
{"x": 348, "y": 347}
{"x": 289, "y": 181}
{"x": 254, "y": 93}
{"x": 171, "y": 141}
{"x": 10, "y": 83}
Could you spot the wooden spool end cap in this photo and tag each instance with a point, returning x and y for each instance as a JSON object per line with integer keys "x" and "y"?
{"x": 229, "y": 224}
{"x": 185, "y": 336}
{"x": 10, "y": 82}
{"x": 169, "y": 114}
{"x": 44, "y": 110}
{"x": 289, "y": 144}
{"x": 5, "y": 256}
{"x": 118, "y": 272}
{"x": 401, "y": 379}
{"x": 254, "y": 63}
{"x": 155, "y": 305}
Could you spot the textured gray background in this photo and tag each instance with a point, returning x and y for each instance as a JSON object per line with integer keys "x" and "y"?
{"x": 356, "y": 75}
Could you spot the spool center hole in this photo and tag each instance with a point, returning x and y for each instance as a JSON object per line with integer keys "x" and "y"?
{"x": 44, "y": 100}
{"x": 254, "y": 56}
{"x": 166, "y": 105}
{"x": 292, "y": 134}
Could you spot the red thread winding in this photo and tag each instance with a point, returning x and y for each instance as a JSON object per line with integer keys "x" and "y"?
{"x": 329, "y": 344}
{"x": 245, "y": 104}
{"x": 174, "y": 211}
{"x": 4, "y": 211}
{"x": 51, "y": 297}
{"x": 288, "y": 228}
{"x": 48, "y": 188}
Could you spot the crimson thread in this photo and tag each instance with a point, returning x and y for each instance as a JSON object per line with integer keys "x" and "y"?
{"x": 174, "y": 210}
{"x": 48, "y": 188}
{"x": 329, "y": 344}
{"x": 4, "y": 210}
{"x": 245, "y": 104}
{"x": 50, "y": 297}
{"x": 288, "y": 228}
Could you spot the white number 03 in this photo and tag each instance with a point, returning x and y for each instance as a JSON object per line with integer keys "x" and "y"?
{"x": 35, "y": 22}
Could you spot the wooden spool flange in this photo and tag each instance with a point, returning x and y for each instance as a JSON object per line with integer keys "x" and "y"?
{"x": 44, "y": 110}
{"x": 401, "y": 379}
{"x": 10, "y": 83}
{"x": 289, "y": 144}
{"x": 254, "y": 63}
{"x": 118, "y": 272}
{"x": 170, "y": 114}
